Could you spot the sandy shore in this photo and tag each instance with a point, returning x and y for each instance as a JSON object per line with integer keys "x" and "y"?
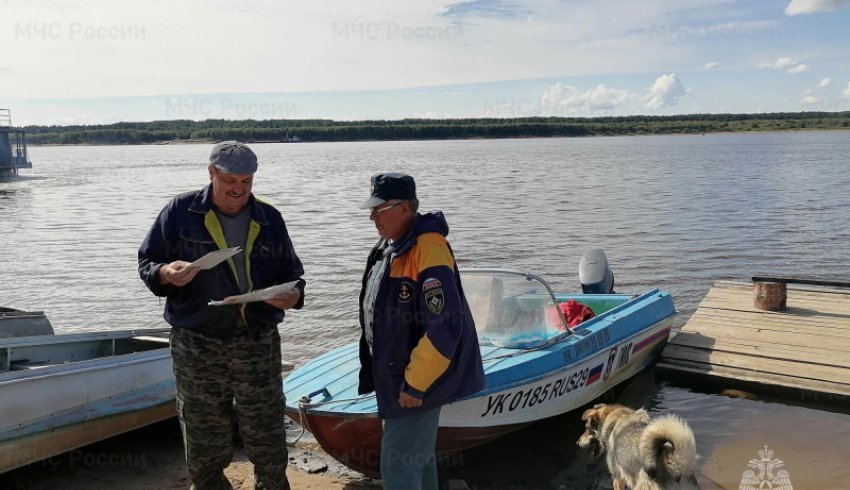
{"x": 152, "y": 458}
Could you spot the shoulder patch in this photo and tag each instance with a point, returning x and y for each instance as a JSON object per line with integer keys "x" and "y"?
{"x": 435, "y": 300}
{"x": 431, "y": 283}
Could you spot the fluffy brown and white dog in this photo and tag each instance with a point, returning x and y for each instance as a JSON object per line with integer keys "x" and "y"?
{"x": 641, "y": 453}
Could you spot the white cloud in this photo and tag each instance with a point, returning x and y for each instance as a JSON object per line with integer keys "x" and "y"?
{"x": 665, "y": 92}
{"x": 825, "y": 82}
{"x": 801, "y": 68}
{"x": 796, "y": 7}
{"x": 711, "y": 65}
{"x": 809, "y": 97}
{"x": 847, "y": 91}
{"x": 779, "y": 63}
{"x": 565, "y": 99}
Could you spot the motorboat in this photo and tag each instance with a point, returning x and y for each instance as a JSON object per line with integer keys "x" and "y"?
{"x": 536, "y": 365}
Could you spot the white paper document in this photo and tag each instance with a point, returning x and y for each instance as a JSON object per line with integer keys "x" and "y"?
{"x": 258, "y": 295}
{"x": 214, "y": 258}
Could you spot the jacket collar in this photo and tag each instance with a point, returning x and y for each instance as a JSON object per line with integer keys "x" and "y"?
{"x": 202, "y": 203}
{"x": 423, "y": 223}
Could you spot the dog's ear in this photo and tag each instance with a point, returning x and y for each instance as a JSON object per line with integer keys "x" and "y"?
{"x": 590, "y": 412}
{"x": 600, "y": 405}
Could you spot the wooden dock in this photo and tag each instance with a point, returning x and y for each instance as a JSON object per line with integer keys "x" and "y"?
{"x": 804, "y": 347}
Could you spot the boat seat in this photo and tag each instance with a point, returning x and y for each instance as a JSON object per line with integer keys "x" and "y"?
{"x": 150, "y": 338}
{"x": 24, "y": 365}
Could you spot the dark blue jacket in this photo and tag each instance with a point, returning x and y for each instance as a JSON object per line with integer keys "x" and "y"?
{"x": 187, "y": 229}
{"x": 425, "y": 341}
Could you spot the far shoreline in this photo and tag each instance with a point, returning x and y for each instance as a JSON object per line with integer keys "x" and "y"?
{"x": 259, "y": 142}
{"x": 186, "y": 131}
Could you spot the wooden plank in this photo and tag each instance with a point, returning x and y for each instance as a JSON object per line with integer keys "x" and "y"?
{"x": 720, "y": 336}
{"x": 830, "y": 303}
{"x": 795, "y": 306}
{"x": 801, "y": 280}
{"x": 760, "y": 364}
{"x": 791, "y": 339}
{"x": 790, "y": 324}
{"x": 759, "y": 325}
{"x": 735, "y": 374}
{"x": 813, "y": 355}
{"x": 819, "y": 303}
{"x": 794, "y": 316}
{"x": 762, "y": 325}
{"x": 826, "y": 309}
{"x": 793, "y": 311}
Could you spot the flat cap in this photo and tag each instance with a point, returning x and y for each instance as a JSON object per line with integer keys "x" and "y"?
{"x": 233, "y": 157}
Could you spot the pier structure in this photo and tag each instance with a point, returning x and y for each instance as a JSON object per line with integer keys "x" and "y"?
{"x": 780, "y": 334}
{"x": 13, "y": 146}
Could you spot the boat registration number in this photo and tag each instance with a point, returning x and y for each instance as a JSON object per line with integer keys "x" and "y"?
{"x": 499, "y": 403}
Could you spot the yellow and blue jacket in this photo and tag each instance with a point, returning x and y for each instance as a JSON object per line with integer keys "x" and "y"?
{"x": 424, "y": 338}
{"x": 187, "y": 229}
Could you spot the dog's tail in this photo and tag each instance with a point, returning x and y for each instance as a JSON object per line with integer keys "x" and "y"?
{"x": 668, "y": 447}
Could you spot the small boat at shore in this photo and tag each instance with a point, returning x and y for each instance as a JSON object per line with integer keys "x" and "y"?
{"x": 536, "y": 366}
{"x": 61, "y": 392}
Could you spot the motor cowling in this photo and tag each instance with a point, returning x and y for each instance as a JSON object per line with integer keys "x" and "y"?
{"x": 594, "y": 274}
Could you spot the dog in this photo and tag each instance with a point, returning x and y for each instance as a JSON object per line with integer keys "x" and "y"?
{"x": 642, "y": 453}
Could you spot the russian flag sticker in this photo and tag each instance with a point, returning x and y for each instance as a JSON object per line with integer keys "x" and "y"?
{"x": 594, "y": 375}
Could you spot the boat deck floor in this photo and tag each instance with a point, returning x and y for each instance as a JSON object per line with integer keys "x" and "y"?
{"x": 802, "y": 348}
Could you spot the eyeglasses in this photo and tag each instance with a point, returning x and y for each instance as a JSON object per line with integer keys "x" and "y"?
{"x": 377, "y": 211}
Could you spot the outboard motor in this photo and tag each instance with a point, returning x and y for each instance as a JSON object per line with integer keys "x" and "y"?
{"x": 594, "y": 274}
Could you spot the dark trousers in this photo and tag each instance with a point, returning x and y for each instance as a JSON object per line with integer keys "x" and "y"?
{"x": 210, "y": 375}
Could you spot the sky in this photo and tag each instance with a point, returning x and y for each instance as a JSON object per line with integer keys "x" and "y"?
{"x": 104, "y": 61}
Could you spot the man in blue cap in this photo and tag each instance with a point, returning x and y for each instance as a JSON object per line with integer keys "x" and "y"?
{"x": 223, "y": 354}
{"x": 419, "y": 348}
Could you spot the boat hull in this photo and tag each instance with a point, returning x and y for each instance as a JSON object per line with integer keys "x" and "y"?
{"x": 40, "y": 445}
{"x": 60, "y": 392}
{"x": 356, "y": 441}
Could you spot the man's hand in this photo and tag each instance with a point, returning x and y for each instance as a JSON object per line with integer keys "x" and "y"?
{"x": 286, "y": 300}
{"x": 408, "y": 401}
{"x": 178, "y": 273}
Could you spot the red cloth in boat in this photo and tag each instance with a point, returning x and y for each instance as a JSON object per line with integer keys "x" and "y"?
{"x": 574, "y": 312}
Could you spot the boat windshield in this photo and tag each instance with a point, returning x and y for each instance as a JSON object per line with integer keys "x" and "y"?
{"x": 512, "y": 309}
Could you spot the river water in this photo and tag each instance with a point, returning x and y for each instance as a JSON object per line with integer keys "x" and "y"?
{"x": 674, "y": 212}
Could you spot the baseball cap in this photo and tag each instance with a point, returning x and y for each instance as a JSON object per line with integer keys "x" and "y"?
{"x": 390, "y": 186}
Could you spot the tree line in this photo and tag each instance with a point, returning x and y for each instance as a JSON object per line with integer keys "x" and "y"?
{"x": 309, "y": 130}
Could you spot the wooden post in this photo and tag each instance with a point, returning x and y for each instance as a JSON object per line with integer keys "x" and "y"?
{"x": 769, "y": 296}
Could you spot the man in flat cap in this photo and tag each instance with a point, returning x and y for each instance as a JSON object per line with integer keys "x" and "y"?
{"x": 230, "y": 353}
{"x": 419, "y": 348}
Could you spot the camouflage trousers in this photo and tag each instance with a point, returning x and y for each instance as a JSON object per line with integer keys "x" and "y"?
{"x": 211, "y": 374}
